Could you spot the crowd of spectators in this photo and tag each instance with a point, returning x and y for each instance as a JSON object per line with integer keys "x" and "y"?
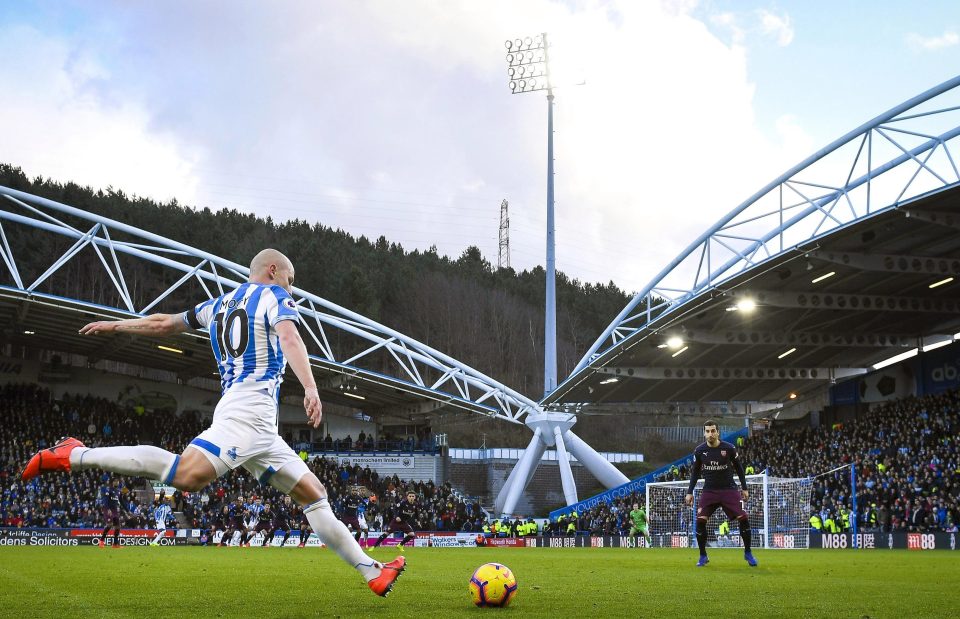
{"x": 611, "y": 518}
{"x": 907, "y": 459}
{"x": 441, "y": 509}
{"x": 906, "y": 454}
{"x": 32, "y": 420}
{"x": 423, "y": 441}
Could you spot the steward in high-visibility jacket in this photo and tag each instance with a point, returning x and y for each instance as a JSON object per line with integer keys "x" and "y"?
{"x": 830, "y": 526}
{"x": 815, "y": 523}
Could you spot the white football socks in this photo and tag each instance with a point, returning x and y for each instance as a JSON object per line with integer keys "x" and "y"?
{"x": 137, "y": 460}
{"x": 336, "y": 536}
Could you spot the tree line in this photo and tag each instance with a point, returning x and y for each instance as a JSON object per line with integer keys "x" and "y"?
{"x": 488, "y": 318}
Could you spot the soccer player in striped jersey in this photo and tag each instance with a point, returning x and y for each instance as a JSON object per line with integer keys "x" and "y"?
{"x": 253, "y": 334}
{"x": 160, "y": 514}
{"x": 254, "y": 509}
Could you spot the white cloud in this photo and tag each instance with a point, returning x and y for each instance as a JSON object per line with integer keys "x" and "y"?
{"x": 729, "y": 22}
{"x": 932, "y": 44}
{"x": 779, "y": 26}
{"x": 56, "y": 123}
{"x": 797, "y": 144}
{"x": 396, "y": 119}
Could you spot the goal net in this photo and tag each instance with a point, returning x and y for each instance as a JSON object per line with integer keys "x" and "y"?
{"x": 779, "y": 510}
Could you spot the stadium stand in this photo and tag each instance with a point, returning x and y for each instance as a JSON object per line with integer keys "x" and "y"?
{"x": 907, "y": 458}
{"x": 32, "y": 420}
{"x": 906, "y": 453}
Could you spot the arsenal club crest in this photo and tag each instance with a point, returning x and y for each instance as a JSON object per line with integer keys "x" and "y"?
{"x": 723, "y": 452}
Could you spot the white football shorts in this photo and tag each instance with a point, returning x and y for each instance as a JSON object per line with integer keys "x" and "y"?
{"x": 244, "y": 433}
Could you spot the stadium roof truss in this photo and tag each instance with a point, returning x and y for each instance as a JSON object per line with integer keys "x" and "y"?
{"x": 876, "y": 205}
{"x": 422, "y": 380}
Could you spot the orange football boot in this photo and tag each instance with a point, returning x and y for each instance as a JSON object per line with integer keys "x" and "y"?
{"x": 383, "y": 584}
{"x": 56, "y": 458}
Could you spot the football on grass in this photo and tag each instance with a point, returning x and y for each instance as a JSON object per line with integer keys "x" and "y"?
{"x": 493, "y": 584}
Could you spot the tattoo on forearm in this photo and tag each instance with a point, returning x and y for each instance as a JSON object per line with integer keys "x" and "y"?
{"x": 130, "y": 327}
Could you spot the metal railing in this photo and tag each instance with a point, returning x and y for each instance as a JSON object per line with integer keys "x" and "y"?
{"x": 549, "y": 455}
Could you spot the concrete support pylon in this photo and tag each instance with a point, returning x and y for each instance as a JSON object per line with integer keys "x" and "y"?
{"x": 553, "y": 429}
{"x": 566, "y": 475}
{"x": 520, "y": 476}
{"x": 599, "y": 467}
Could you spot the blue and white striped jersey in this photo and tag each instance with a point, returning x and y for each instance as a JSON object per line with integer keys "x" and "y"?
{"x": 243, "y": 335}
{"x": 161, "y": 513}
{"x": 255, "y": 510}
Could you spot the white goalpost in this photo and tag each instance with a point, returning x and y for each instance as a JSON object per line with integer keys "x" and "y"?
{"x": 779, "y": 510}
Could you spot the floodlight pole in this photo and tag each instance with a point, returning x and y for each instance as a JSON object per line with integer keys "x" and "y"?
{"x": 528, "y": 67}
{"x": 527, "y": 60}
{"x": 550, "y": 319}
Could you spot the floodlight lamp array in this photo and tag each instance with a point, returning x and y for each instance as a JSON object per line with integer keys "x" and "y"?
{"x": 528, "y": 64}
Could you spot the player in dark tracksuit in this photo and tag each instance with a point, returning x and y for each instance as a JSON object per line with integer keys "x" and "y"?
{"x": 110, "y": 508}
{"x": 404, "y": 519}
{"x": 220, "y": 522}
{"x": 305, "y": 528}
{"x": 238, "y": 516}
{"x": 273, "y": 519}
{"x": 717, "y": 461}
{"x": 353, "y": 504}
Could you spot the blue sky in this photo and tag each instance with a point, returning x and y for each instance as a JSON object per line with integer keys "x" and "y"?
{"x": 395, "y": 118}
{"x": 847, "y": 61}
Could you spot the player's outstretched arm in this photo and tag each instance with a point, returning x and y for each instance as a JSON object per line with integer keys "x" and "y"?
{"x": 296, "y": 353}
{"x": 153, "y": 325}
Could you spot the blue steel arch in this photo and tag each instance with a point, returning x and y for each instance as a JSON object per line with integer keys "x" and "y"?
{"x": 458, "y": 385}
{"x": 897, "y": 156}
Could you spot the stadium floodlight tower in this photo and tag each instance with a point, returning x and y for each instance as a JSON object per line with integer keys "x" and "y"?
{"x": 529, "y": 70}
{"x": 528, "y": 65}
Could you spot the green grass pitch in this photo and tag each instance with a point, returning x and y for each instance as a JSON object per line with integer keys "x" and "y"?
{"x": 183, "y": 582}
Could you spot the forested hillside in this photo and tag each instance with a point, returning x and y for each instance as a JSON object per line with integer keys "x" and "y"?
{"x": 487, "y": 318}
